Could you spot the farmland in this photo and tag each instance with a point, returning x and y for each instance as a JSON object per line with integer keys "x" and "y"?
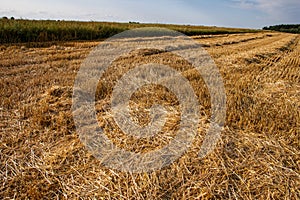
{"x": 33, "y": 31}
{"x": 257, "y": 157}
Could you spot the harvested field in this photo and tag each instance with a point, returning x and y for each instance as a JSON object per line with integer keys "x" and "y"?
{"x": 258, "y": 156}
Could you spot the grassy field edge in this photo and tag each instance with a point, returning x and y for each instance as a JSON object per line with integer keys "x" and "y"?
{"x": 21, "y": 30}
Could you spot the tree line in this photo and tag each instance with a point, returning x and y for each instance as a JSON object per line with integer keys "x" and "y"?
{"x": 288, "y": 28}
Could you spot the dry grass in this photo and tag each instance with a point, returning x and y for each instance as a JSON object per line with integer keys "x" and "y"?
{"x": 258, "y": 156}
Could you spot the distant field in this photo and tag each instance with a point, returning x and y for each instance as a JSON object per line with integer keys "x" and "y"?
{"x": 41, "y": 156}
{"x": 15, "y": 31}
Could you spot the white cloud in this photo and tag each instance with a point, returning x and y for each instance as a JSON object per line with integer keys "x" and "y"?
{"x": 245, "y": 4}
{"x": 55, "y": 9}
{"x": 236, "y": 13}
{"x": 275, "y": 11}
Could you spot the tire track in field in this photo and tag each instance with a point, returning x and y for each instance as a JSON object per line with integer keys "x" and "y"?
{"x": 242, "y": 61}
{"x": 247, "y": 47}
{"x": 274, "y": 57}
{"x": 288, "y": 67}
{"x": 231, "y": 39}
{"x": 263, "y": 65}
{"x": 271, "y": 59}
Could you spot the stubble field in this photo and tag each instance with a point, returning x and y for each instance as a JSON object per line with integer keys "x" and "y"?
{"x": 258, "y": 156}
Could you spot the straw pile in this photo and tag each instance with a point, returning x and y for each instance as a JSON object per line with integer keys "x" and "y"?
{"x": 258, "y": 156}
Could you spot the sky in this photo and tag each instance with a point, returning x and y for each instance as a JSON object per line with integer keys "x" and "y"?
{"x": 226, "y": 13}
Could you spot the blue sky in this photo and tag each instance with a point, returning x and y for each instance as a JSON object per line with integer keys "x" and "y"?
{"x": 230, "y": 13}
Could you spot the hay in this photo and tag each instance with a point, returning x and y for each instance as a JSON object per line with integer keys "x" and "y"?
{"x": 257, "y": 157}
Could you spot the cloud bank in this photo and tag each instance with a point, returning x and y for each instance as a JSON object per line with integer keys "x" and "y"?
{"x": 232, "y": 13}
{"x": 284, "y": 11}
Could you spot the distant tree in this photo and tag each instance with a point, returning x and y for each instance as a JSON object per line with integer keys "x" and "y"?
{"x": 5, "y": 18}
{"x": 134, "y": 22}
{"x": 288, "y": 28}
{"x": 12, "y": 18}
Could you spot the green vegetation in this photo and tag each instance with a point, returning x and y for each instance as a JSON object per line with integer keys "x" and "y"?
{"x": 288, "y": 28}
{"x": 19, "y": 30}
